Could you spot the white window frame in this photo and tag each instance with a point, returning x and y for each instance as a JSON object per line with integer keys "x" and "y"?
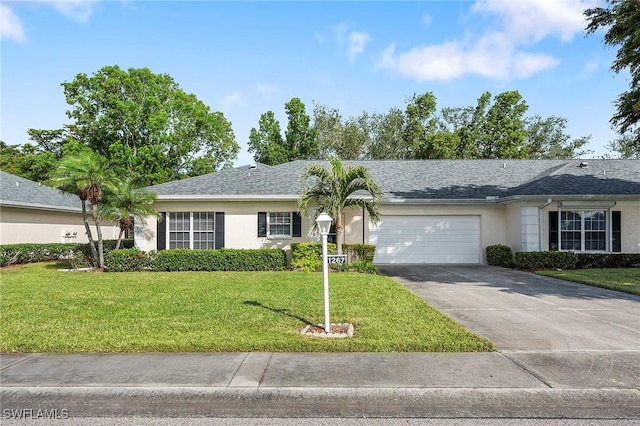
{"x": 583, "y": 230}
{"x": 286, "y": 236}
{"x": 191, "y": 229}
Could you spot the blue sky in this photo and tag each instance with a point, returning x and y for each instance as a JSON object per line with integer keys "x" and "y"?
{"x": 245, "y": 58}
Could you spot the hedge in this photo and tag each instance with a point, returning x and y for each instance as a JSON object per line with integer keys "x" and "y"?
{"x": 531, "y": 260}
{"x": 11, "y": 254}
{"x": 130, "y": 259}
{"x": 308, "y": 256}
{"x": 500, "y": 255}
{"x": 608, "y": 260}
{"x": 36, "y": 252}
{"x": 356, "y": 252}
{"x": 220, "y": 260}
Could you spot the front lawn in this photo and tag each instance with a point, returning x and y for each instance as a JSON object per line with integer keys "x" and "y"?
{"x": 43, "y": 310}
{"x": 626, "y": 280}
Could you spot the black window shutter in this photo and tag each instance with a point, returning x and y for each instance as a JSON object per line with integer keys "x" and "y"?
{"x": 161, "y": 232}
{"x": 219, "y": 233}
{"x": 553, "y": 230}
{"x": 616, "y": 231}
{"x": 262, "y": 224}
{"x": 297, "y": 224}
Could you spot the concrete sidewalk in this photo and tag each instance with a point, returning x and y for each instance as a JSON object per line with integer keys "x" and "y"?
{"x": 517, "y": 384}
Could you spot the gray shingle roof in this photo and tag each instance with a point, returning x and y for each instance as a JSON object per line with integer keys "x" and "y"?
{"x": 431, "y": 179}
{"x": 17, "y": 191}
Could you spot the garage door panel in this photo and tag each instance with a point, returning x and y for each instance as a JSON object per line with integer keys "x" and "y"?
{"x": 427, "y": 239}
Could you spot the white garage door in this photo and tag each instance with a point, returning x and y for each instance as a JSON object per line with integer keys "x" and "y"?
{"x": 426, "y": 239}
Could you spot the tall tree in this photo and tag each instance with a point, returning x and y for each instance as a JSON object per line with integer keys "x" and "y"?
{"x": 332, "y": 190}
{"x": 622, "y": 21}
{"x": 386, "y": 136}
{"x": 301, "y": 139}
{"x": 503, "y": 132}
{"x": 147, "y": 126}
{"x": 266, "y": 142}
{"x": 86, "y": 174}
{"x": 623, "y": 147}
{"x": 546, "y": 138}
{"x": 419, "y": 122}
{"x": 127, "y": 202}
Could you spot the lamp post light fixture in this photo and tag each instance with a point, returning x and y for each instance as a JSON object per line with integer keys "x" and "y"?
{"x": 324, "y": 224}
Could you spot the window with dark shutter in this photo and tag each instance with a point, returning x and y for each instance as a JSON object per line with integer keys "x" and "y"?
{"x": 297, "y": 224}
{"x": 553, "y": 230}
{"x": 219, "y": 230}
{"x": 161, "y": 232}
{"x": 616, "y": 231}
{"x": 262, "y": 224}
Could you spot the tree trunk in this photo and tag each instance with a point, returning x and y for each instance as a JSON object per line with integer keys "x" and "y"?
{"x": 119, "y": 238}
{"x": 339, "y": 232}
{"x": 99, "y": 232}
{"x": 87, "y": 228}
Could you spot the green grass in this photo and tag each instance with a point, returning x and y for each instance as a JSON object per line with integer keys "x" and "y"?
{"x": 626, "y": 280}
{"x": 43, "y": 310}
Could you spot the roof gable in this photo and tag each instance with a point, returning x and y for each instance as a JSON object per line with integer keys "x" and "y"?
{"x": 20, "y": 192}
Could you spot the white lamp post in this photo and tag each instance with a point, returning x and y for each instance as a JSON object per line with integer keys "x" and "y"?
{"x": 324, "y": 224}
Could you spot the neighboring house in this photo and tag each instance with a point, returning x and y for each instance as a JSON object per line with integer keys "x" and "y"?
{"x": 35, "y": 213}
{"x": 433, "y": 211}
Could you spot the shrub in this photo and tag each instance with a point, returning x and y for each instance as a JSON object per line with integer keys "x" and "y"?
{"x": 531, "y": 260}
{"x": 125, "y": 260}
{"x": 11, "y": 254}
{"x": 308, "y": 256}
{"x": 356, "y": 252}
{"x": 500, "y": 255}
{"x": 107, "y": 246}
{"x": 220, "y": 260}
{"x": 360, "y": 266}
{"x": 608, "y": 260}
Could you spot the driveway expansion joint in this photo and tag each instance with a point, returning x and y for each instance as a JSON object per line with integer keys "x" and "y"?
{"x": 20, "y": 361}
{"x": 524, "y": 368}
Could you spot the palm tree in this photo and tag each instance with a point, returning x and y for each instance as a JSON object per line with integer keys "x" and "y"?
{"x": 335, "y": 189}
{"x": 85, "y": 174}
{"x": 127, "y": 201}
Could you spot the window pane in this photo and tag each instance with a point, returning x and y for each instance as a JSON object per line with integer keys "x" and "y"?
{"x": 589, "y": 227}
{"x": 280, "y": 225}
{"x": 203, "y": 227}
{"x": 595, "y": 241}
{"x": 570, "y": 240}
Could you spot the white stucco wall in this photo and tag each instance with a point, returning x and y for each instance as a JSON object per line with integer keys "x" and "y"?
{"x": 19, "y": 225}
{"x": 241, "y": 223}
{"x": 630, "y": 226}
{"x": 500, "y": 224}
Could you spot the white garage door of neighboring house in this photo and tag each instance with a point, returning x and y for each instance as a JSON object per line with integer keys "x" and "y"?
{"x": 426, "y": 239}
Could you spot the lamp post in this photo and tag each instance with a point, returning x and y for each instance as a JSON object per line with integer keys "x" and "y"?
{"x": 324, "y": 224}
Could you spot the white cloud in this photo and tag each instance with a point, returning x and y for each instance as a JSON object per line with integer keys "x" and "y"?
{"x": 232, "y": 100}
{"x": 10, "y": 24}
{"x": 589, "y": 67}
{"x": 77, "y": 10}
{"x": 427, "y": 19}
{"x": 354, "y": 41}
{"x": 499, "y": 50}
{"x": 533, "y": 20}
{"x": 357, "y": 40}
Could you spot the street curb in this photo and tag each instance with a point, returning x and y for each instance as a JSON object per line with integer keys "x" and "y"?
{"x": 324, "y": 402}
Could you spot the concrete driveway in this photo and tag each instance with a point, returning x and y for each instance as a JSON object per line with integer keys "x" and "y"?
{"x": 520, "y": 311}
{"x": 561, "y": 332}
